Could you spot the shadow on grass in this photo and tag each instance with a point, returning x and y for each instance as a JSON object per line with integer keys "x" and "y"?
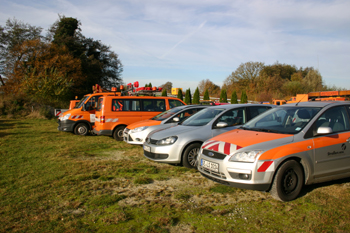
{"x": 309, "y": 188}
{"x": 7, "y": 124}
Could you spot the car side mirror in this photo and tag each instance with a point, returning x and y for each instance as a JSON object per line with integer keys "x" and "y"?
{"x": 176, "y": 119}
{"x": 324, "y": 130}
{"x": 221, "y": 125}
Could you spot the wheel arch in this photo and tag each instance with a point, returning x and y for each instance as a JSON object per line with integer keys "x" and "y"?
{"x": 187, "y": 145}
{"x": 82, "y": 121}
{"x": 303, "y": 163}
{"x": 116, "y": 126}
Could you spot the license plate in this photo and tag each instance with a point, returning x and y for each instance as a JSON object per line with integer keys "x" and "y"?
{"x": 210, "y": 165}
{"x": 147, "y": 148}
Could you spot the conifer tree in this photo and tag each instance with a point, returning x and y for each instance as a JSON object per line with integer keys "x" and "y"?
{"x": 234, "y": 98}
{"x": 206, "y": 95}
{"x": 180, "y": 95}
{"x": 196, "y": 97}
{"x": 188, "y": 97}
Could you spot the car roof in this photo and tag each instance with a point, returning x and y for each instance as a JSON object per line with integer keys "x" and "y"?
{"x": 229, "y": 106}
{"x": 316, "y": 103}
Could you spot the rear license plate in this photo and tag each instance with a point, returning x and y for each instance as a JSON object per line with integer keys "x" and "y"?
{"x": 146, "y": 148}
{"x": 210, "y": 165}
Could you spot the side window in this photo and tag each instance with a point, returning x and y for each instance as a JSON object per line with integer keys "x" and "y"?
{"x": 99, "y": 105}
{"x": 233, "y": 117}
{"x": 257, "y": 110}
{"x": 160, "y": 105}
{"x": 135, "y": 105}
{"x": 185, "y": 114}
{"x": 175, "y": 103}
{"x": 92, "y": 103}
{"x": 335, "y": 118}
{"x": 118, "y": 105}
{"x": 147, "y": 105}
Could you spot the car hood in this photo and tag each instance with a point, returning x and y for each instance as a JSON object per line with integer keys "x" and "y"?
{"x": 143, "y": 123}
{"x": 228, "y": 143}
{"x": 172, "y": 131}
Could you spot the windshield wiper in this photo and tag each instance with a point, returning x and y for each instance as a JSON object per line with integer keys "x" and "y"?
{"x": 265, "y": 130}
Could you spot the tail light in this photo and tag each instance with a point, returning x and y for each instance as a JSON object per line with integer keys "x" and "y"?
{"x": 102, "y": 119}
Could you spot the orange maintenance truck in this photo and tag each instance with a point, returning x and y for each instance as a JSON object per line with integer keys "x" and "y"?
{"x": 81, "y": 118}
{"x": 114, "y": 113}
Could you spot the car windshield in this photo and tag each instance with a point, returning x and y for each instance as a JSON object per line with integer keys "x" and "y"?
{"x": 81, "y": 102}
{"x": 203, "y": 117}
{"x": 286, "y": 120}
{"x": 165, "y": 115}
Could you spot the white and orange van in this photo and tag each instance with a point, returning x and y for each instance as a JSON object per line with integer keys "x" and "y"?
{"x": 282, "y": 149}
{"x": 81, "y": 118}
{"x": 114, "y": 113}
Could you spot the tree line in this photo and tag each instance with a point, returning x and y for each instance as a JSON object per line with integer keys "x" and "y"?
{"x": 54, "y": 68}
{"x": 264, "y": 83}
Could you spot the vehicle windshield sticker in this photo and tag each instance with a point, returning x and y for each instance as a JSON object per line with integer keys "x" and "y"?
{"x": 298, "y": 129}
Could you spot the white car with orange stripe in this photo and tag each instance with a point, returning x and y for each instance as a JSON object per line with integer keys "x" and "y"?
{"x": 282, "y": 149}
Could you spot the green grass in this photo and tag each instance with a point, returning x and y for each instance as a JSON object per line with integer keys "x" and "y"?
{"x": 52, "y": 181}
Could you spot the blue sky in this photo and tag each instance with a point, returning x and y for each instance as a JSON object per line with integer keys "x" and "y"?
{"x": 184, "y": 42}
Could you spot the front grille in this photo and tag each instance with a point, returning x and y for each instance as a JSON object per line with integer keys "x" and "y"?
{"x": 214, "y": 154}
{"x": 217, "y": 174}
{"x": 155, "y": 156}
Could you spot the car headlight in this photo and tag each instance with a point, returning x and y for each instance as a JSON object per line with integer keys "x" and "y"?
{"x": 167, "y": 141}
{"x": 245, "y": 156}
{"x": 138, "y": 129}
{"x": 65, "y": 117}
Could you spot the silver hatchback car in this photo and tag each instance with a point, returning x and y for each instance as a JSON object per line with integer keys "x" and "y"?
{"x": 137, "y": 132}
{"x": 180, "y": 144}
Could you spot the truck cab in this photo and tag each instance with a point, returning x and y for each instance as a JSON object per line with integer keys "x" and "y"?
{"x": 81, "y": 119}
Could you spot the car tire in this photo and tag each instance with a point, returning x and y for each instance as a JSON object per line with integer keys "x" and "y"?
{"x": 288, "y": 181}
{"x": 189, "y": 157}
{"x": 118, "y": 133}
{"x": 81, "y": 129}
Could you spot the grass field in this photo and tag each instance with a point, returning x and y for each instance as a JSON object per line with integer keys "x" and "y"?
{"x": 52, "y": 181}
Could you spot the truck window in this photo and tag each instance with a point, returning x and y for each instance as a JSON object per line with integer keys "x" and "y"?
{"x": 175, "y": 103}
{"x": 92, "y": 102}
{"x": 156, "y": 105}
{"x": 125, "y": 105}
{"x": 99, "y": 105}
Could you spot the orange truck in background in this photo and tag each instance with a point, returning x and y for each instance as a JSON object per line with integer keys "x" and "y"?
{"x": 278, "y": 102}
{"x": 321, "y": 96}
{"x": 81, "y": 119}
{"x": 114, "y": 113}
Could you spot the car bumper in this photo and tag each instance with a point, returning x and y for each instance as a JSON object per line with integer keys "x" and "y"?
{"x": 135, "y": 138}
{"x": 235, "y": 174}
{"x": 163, "y": 154}
{"x": 66, "y": 125}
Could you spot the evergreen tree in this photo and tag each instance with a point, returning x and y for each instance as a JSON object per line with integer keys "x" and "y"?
{"x": 150, "y": 85}
{"x": 180, "y": 95}
{"x": 164, "y": 92}
{"x": 234, "y": 98}
{"x": 223, "y": 96}
{"x": 196, "y": 97}
{"x": 206, "y": 95}
{"x": 188, "y": 97}
{"x": 244, "y": 98}
{"x": 146, "y": 85}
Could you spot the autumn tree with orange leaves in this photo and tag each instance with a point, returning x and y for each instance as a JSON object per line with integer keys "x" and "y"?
{"x": 43, "y": 71}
